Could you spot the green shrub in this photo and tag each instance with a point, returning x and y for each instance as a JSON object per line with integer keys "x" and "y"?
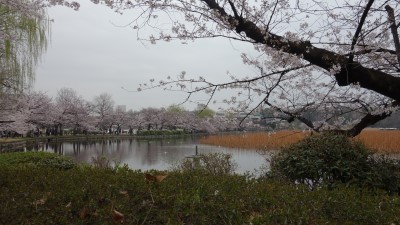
{"x": 330, "y": 160}
{"x": 101, "y": 161}
{"x": 212, "y": 163}
{"x": 44, "y": 159}
{"x": 385, "y": 174}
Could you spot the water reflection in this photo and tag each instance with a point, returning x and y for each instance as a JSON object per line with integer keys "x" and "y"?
{"x": 157, "y": 154}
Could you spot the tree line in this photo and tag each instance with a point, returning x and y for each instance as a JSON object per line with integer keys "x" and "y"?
{"x": 38, "y": 113}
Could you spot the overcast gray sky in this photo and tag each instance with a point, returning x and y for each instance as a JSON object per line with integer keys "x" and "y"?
{"x": 92, "y": 55}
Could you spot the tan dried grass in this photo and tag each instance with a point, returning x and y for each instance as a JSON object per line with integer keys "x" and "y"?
{"x": 257, "y": 140}
{"x": 380, "y": 141}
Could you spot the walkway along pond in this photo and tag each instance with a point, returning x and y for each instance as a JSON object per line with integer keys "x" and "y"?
{"x": 147, "y": 154}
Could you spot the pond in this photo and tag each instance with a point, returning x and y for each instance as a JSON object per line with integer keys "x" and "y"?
{"x": 147, "y": 154}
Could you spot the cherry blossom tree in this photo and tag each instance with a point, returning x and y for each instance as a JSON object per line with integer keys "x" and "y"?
{"x": 72, "y": 111}
{"x": 175, "y": 115}
{"x": 120, "y": 119}
{"x": 151, "y": 118}
{"x": 226, "y": 121}
{"x": 38, "y": 107}
{"x": 21, "y": 113}
{"x": 103, "y": 106}
{"x": 131, "y": 121}
{"x": 144, "y": 119}
{"x": 136, "y": 120}
{"x": 36, "y": 112}
{"x": 336, "y": 59}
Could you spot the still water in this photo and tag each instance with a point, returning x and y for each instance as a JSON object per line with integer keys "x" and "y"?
{"x": 146, "y": 154}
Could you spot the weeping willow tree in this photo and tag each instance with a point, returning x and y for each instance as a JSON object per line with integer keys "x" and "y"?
{"x": 24, "y": 31}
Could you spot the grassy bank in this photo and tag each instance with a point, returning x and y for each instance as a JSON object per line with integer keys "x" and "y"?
{"x": 382, "y": 141}
{"x": 47, "y": 189}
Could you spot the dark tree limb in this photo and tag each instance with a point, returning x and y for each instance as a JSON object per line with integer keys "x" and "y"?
{"x": 369, "y": 50}
{"x": 354, "y": 73}
{"x": 365, "y": 122}
{"x": 7, "y": 121}
{"x": 368, "y": 120}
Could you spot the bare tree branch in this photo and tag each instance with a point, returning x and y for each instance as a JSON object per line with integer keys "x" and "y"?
{"x": 358, "y": 30}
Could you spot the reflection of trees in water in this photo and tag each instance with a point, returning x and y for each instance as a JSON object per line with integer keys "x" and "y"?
{"x": 143, "y": 154}
{"x": 56, "y": 147}
{"x": 130, "y": 143}
{"x": 150, "y": 156}
{"x": 36, "y": 146}
{"x": 76, "y": 146}
{"x": 118, "y": 144}
{"x": 136, "y": 153}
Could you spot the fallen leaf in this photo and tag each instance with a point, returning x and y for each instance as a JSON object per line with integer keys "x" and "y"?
{"x": 43, "y": 200}
{"x": 160, "y": 178}
{"x": 95, "y": 214}
{"x": 117, "y": 216}
{"x": 40, "y": 201}
{"x": 124, "y": 193}
{"x": 68, "y": 205}
{"x": 154, "y": 178}
{"x": 83, "y": 213}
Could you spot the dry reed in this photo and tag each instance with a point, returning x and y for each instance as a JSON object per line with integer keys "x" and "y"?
{"x": 258, "y": 140}
{"x": 382, "y": 141}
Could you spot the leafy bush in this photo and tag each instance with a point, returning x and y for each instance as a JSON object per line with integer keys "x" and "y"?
{"x": 385, "y": 174}
{"x": 101, "y": 161}
{"x": 43, "y": 159}
{"x": 330, "y": 160}
{"x": 212, "y": 163}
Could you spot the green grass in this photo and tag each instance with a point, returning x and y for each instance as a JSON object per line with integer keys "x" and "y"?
{"x": 10, "y": 140}
{"x": 36, "y": 159}
{"x": 36, "y": 188}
